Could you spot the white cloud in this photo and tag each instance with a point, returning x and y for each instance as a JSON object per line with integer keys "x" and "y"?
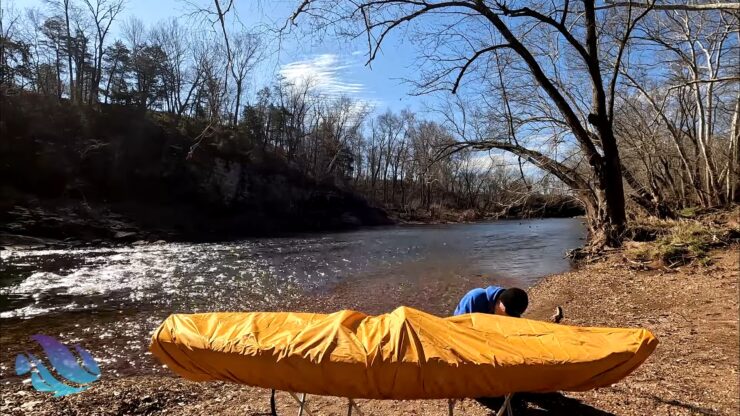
{"x": 326, "y": 72}
{"x": 485, "y": 161}
{"x": 481, "y": 162}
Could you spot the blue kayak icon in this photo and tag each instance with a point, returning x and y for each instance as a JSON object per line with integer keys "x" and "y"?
{"x": 77, "y": 373}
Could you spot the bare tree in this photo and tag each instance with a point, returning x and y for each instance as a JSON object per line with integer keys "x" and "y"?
{"x": 134, "y": 33}
{"x": 567, "y": 22}
{"x": 700, "y": 95}
{"x": 103, "y": 12}
{"x": 172, "y": 38}
{"x": 245, "y": 56}
{"x": 9, "y": 22}
{"x": 66, "y": 9}
{"x": 727, "y": 5}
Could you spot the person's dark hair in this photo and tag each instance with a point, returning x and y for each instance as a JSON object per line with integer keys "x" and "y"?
{"x": 515, "y": 301}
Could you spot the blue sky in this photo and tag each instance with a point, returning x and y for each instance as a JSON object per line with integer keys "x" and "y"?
{"x": 338, "y": 65}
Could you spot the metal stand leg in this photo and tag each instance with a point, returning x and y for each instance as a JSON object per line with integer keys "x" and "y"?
{"x": 350, "y": 406}
{"x": 506, "y": 407}
{"x": 302, "y": 403}
{"x": 451, "y": 407}
{"x": 273, "y": 411}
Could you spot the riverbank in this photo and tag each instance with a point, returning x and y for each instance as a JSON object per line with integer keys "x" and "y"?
{"x": 693, "y": 310}
{"x": 534, "y": 206}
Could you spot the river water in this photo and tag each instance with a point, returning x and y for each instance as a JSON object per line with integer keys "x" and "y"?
{"x": 110, "y": 299}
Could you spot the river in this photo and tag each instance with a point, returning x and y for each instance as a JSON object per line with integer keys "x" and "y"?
{"x": 110, "y": 299}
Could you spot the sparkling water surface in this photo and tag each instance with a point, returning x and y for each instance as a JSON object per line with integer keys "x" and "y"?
{"x": 110, "y": 299}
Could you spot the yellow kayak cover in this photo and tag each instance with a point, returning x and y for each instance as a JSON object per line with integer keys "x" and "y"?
{"x": 406, "y": 354}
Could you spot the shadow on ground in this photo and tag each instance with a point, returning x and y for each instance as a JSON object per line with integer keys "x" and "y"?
{"x": 551, "y": 404}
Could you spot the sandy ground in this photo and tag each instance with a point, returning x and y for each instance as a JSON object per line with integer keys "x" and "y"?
{"x": 693, "y": 311}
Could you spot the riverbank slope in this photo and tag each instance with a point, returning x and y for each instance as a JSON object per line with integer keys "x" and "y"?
{"x": 693, "y": 310}
{"x": 74, "y": 174}
{"x": 533, "y": 206}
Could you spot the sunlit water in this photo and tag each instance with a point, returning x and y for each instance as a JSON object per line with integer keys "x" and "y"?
{"x": 110, "y": 299}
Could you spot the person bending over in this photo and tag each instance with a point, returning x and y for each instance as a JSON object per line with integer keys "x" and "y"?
{"x": 494, "y": 300}
{"x": 499, "y": 301}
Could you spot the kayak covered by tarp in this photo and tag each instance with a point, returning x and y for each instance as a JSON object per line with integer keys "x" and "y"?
{"x": 405, "y": 354}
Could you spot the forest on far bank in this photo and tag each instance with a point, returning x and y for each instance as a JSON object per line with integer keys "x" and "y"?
{"x": 628, "y": 108}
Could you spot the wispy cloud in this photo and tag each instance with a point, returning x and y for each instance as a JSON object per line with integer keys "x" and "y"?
{"x": 326, "y": 72}
{"x": 482, "y": 162}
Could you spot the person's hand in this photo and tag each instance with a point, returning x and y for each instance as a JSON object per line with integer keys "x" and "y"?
{"x": 558, "y": 315}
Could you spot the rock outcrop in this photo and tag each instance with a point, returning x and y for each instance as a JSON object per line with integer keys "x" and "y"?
{"x": 119, "y": 173}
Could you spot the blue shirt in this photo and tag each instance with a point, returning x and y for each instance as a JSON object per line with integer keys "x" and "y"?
{"x": 479, "y": 300}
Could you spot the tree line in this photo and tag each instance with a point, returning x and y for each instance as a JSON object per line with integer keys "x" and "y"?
{"x": 628, "y": 106}
{"x": 65, "y": 51}
{"x": 627, "y": 103}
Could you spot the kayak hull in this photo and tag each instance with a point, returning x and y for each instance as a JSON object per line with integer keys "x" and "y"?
{"x": 406, "y": 354}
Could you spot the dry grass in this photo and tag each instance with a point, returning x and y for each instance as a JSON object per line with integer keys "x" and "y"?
{"x": 672, "y": 243}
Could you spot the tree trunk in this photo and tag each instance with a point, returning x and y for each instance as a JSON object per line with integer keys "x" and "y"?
{"x": 110, "y": 78}
{"x": 238, "y": 100}
{"x": 58, "y": 67}
{"x": 615, "y": 221}
{"x": 733, "y": 164}
{"x": 97, "y": 74}
{"x": 69, "y": 52}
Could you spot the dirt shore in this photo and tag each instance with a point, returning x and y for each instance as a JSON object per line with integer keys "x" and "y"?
{"x": 692, "y": 310}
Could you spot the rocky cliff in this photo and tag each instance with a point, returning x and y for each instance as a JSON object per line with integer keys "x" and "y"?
{"x": 113, "y": 172}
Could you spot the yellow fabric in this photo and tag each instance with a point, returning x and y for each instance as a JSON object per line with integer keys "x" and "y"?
{"x": 406, "y": 354}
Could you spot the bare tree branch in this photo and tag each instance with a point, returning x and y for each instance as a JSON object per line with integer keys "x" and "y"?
{"x": 631, "y": 24}
{"x": 470, "y": 61}
{"x": 686, "y": 7}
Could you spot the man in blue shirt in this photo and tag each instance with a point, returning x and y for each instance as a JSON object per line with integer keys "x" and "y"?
{"x": 494, "y": 300}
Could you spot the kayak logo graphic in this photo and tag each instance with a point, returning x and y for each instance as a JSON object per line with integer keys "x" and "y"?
{"x": 81, "y": 372}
